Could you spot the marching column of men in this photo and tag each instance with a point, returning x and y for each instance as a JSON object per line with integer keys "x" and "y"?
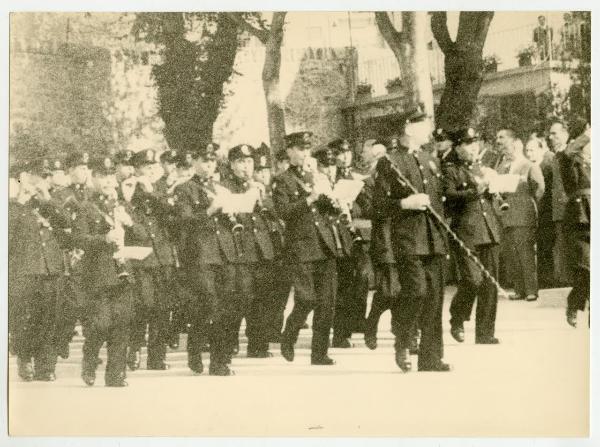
{"x": 141, "y": 248}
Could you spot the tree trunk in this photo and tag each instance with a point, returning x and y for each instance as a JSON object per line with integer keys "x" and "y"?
{"x": 410, "y": 49}
{"x": 270, "y": 78}
{"x": 463, "y": 66}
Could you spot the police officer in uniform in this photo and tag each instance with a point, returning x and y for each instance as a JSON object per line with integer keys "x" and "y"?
{"x": 99, "y": 230}
{"x": 419, "y": 244}
{"x": 276, "y": 280}
{"x": 575, "y": 169}
{"x": 255, "y": 250}
{"x": 315, "y": 240}
{"x": 38, "y": 229}
{"x": 208, "y": 264}
{"x": 470, "y": 206}
{"x": 154, "y": 274}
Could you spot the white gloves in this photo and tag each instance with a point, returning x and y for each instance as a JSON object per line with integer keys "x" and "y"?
{"x": 417, "y": 202}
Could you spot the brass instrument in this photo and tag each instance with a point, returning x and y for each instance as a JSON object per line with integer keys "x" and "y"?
{"x": 405, "y": 182}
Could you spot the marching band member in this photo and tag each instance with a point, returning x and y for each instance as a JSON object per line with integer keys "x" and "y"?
{"x": 208, "y": 262}
{"x": 470, "y": 206}
{"x": 99, "y": 230}
{"x": 314, "y": 242}
{"x": 38, "y": 230}
{"x": 419, "y": 244}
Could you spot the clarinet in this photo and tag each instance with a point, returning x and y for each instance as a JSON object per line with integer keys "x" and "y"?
{"x": 401, "y": 178}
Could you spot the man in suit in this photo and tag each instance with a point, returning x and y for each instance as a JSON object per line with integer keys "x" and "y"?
{"x": 470, "y": 207}
{"x": 558, "y": 135}
{"x": 208, "y": 260}
{"x": 99, "y": 230}
{"x": 419, "y": 244}
{"x": 520, "y": 220}
{"x": 314, "y": 241}
{"x": 38, "y": 231}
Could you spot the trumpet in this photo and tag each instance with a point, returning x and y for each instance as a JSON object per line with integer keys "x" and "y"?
{"x": 486, "y": 175}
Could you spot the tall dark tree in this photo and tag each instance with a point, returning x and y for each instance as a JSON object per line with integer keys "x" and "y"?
{"x": 463, "y": 65}
{"x": 410, "y": 49}
{"x": 271, "y": 37}
{"x": 192, "y": 74}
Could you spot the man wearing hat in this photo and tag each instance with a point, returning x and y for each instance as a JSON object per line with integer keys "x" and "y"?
{"x": 470, "y": 207}
{"x": 353, "y": 272}
{"x": 442, "y": 144}
{"x": 207, "y": 235}
{"x": 276, "y": 281}
{"x": 98, "y": 230}
{"x": 255, "y": 251}
{"x": 153, "y": 275}
{"x": 38, "y": 230}
{"x": 314, "y": 240}
{"x": 419, "y": 244}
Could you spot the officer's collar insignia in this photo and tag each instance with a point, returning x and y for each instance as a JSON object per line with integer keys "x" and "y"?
{"x": 471, "y": 132}
{"x": 245, "y": 150}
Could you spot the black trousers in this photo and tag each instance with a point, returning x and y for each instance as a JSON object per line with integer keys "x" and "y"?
{"x": 352, "y": 293}
{"x": 153, "y": 288}
{"x": 519, "y": 247}
{"x": 473, "y": 286}
{"x": 183, "y": 295}
{"x": 107, "y": 318}
{"x": 277, "y": 284}
{"x": 32, "y": 319}
{"x": 70, "y": 305}
{"x": 420, "y": 303}
{"x": 387, "y": 288}
{"x": 215, "y": 309}
{"x": 315, "y": 286}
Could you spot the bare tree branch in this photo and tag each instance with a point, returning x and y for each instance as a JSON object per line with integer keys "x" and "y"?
{"x": 439, "y": 27}
{"x": 260, "y": 34}
{"x": 387, "y": 29}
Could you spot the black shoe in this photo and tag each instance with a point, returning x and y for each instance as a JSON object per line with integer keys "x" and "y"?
{"x": 305, "y": 326}
{"x": 403, "y": 360}
{"x": 174, "y": 344}
{"x": 220, "y": 370}
{"x": 325, "y": 361}
{"x": 260, "y": 354}
{"x": 236, "y": 349}
{"x": 45, "y": 377}
{"x": 89, "y": 377}
{"x": 133, "y": 359}
{"x": 531, "y": 297}
{"x": 25, "y": 370}
{"x": 341, "y": 343}
{"x": 162, "y": 366}
{"x": 486, "y": 341}
{"x": 438, "y": 366}
{"x": 205, "y": 347}
{"x": 195, "y": 363}
{"x": 371, "y": 341}
{"x": 287, "y": 350}
{"x": 515, "y": 297}
{"x": 572, "y": 317}
{"x": 99, "y": 361}
{"x": 458, "y": 333}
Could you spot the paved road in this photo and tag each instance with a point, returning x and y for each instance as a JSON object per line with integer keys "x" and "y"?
{"x": 535, "y": 383}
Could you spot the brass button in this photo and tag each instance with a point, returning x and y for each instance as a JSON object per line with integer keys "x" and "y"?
{"x": 218, "y": 232}
{"x": 43, "y": 244}
{"x": 484, "y": 213}
{"x": 425, "y": 181}
{"x": 317, "y": 224}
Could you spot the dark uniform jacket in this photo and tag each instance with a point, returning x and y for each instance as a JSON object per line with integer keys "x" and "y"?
{"x": 149, "y": 229}
{"x": 258, "y": 245}
{"x": 559, "y": 197}
{"x": 208, "y": 239}
{"x": 35, "y": 239}
{"x": 309, "y": 232}
{"x": 472, "y": 214}
{"x": 99, "y": 269}
{"x": 413, "y": 232}
{"x": 575, "y": 169}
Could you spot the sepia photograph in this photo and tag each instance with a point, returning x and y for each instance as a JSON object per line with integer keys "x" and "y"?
{"x": 317, "y": 224}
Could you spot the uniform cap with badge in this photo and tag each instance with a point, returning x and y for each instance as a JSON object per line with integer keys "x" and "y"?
{"x": 240, "y": 151}
{"x": 169, "y": 156}
{"x": 77, "y": 158}
{"x": 123, "y": 157}
{"x": 143, "y": 158}
{"x": 302, "y": 140}
{"x": 339, "y": 145}
{"x": 325, "y": 156}
{"x": 464, "y": 136}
